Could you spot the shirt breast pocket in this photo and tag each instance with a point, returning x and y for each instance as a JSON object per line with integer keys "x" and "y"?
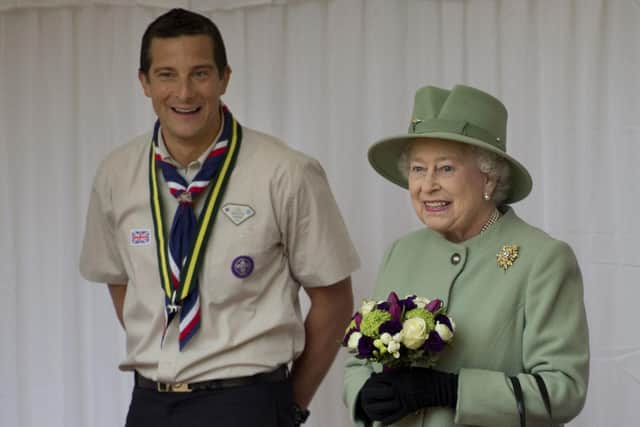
{"x": 243, "y": 274}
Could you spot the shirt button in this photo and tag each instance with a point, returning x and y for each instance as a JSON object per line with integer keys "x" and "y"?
{"x": 455, "y": 259}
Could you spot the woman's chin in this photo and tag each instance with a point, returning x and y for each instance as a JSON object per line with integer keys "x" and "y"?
{"x": 436, "y": 224}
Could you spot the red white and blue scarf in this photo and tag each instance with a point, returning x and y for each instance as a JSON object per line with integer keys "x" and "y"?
{"x": 180, "y": 257}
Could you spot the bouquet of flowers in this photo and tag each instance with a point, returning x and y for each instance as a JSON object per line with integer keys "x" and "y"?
{"x": 398, "y": 332}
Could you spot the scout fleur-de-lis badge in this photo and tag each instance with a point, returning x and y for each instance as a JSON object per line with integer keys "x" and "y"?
{"x": 507, "y": 256}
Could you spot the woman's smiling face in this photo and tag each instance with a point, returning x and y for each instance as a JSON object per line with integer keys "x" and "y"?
{"x": 447, "y": 188}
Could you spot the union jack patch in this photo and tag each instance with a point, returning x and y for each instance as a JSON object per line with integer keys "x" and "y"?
{"x": 140, "y": 237}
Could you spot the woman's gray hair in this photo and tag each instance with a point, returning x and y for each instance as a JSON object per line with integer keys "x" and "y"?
{"x": 488, "y": 162}
{"x": 497, "y": 167}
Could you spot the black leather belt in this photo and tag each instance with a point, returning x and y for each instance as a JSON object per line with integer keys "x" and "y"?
{"x": 280, "y": 374}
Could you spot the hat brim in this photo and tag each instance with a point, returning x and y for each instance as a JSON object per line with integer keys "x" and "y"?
{"x": 384, "y": 156}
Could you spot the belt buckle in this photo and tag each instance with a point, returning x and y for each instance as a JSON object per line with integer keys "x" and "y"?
{"x": 175, "y": 388}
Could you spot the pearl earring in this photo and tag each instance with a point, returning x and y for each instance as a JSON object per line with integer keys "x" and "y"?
{"x": 486, "y": 196}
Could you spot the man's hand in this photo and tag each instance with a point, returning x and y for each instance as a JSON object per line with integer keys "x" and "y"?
{"x": 330, "y": 312}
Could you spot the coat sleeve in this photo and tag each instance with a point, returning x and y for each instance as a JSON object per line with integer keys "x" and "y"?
{"x": 358, "y": 371}
{"x": 555, "y": 345}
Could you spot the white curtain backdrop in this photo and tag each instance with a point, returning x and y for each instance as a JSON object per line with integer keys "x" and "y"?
{"x": 329, "y": 77}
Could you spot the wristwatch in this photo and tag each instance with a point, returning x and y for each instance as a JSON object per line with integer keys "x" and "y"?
{"x": 299, "y": 415}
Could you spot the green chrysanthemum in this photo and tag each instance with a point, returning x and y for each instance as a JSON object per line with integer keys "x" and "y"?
{"x": 370, "y": 325}
{"x": 427, "y": 316}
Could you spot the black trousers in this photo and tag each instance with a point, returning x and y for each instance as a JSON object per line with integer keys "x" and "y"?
{"x": 262, "y": 404}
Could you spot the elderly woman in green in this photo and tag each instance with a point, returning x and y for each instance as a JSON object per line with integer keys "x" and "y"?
{"x": 514, "y": 292}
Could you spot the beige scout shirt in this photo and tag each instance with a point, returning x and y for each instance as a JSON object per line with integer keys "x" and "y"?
{"x": 295, "y": 237}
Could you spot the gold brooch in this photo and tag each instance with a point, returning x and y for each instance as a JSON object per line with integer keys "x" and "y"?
{"x": 507, "y": 256}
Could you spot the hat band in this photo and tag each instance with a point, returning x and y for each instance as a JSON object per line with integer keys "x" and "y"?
{"x": 458, "y": 127}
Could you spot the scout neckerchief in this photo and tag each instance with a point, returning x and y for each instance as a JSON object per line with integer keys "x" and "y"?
{"x": 180, "y": 258}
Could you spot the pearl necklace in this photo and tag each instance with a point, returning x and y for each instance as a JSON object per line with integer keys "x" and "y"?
{"x": 492, "y": 219}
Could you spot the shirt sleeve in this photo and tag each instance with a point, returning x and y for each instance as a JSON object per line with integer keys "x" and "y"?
{"x": 100, "y": 260}
{"x": 319, "y": 248}
{"x": 555, "y": 345}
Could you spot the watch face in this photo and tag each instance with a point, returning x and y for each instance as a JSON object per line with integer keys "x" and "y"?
{"x": 299, "y": 415}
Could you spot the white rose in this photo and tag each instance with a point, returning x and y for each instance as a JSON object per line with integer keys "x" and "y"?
{"x": 421, "y": 302}
{"x": 443, "y": 330}
{"x": 367, "y": 306}
{"x": 414, "y": 333}
{"x": 386, "y": 338}
{"x": 394, "y": 347}
{"x": 354, "y": 338}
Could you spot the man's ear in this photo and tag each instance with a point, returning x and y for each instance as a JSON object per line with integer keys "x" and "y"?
{"x": 226, "y": 76}
{"x": 144, "y": 82}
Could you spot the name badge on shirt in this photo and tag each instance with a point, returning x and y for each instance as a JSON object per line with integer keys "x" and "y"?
{"x": 140, "y": 237}
{"x": 238, "y": 213}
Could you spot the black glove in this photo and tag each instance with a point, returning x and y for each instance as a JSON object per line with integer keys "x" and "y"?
{"x": 391, "y": 395}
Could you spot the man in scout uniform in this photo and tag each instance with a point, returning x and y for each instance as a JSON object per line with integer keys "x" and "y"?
{"x": 205, "y": 230}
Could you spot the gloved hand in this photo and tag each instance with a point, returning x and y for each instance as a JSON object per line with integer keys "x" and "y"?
{"x": 392, "y": 395}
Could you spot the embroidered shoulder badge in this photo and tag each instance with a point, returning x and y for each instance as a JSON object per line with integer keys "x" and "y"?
{"x": 140, "y": 237}
{"x": 507, "y": 256}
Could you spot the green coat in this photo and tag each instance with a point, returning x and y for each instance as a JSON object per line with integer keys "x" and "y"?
{"x": 527, "y": 319}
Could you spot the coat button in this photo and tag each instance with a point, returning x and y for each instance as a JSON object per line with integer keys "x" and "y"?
{"x": 455, "y": 259}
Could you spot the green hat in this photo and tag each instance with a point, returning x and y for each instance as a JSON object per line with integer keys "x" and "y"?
{"x": 463, "y": 114}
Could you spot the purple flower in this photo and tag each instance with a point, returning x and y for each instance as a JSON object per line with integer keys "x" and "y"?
{"x": 434, "y": 343}
{"x": 391, "y": 326}
{"x": 383, "y": 306}
{"x": 393, "y": 298}
{"x": 395, "y": 309}
{"x": 365, "y": 347}
{"x": 408, "y": 303}
{"x": 444, "y": 320}
{"x": 357, "y": 319}
{"x": 434, "y": 305}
